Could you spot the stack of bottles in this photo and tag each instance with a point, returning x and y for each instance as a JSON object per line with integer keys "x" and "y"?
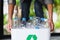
{"x": 32, "y": 23}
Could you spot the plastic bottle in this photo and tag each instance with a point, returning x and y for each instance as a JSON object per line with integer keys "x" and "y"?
{"x": 36, "y": 22}
{"x": 23, "y": 23}
{"x": 29, "y": 23}
{"x": 30, "y": 19}
{"x": 15, "y": 19}
{"x": 45, "y": 23}
{"x": 15, "y": 22}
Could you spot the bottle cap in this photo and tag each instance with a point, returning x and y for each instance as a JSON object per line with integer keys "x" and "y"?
{"x": 15, "y": 18}
{"x": 37, "y": 27}
{"x": 31, "y": 18}
{"x": 23, "y": 19}
{"x": 43, "y": 19}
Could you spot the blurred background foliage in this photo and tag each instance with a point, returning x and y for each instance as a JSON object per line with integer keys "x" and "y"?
{"x": 56, "y": 10}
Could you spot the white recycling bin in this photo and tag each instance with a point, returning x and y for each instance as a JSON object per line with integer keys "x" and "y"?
{"x": 30, "y": 34}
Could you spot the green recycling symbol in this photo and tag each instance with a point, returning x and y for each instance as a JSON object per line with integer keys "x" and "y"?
{"x": 31, "y": 36}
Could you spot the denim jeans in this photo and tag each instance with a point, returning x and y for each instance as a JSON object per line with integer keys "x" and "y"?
{"x": 25, "y": 6}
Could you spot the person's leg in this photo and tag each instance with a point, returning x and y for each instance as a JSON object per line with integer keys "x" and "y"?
{"x": 25, "y": 6}
{"x": 38, "y": 9}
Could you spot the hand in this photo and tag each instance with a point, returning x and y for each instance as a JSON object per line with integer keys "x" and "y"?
{"x": 9, "y": 26}
{"x": 51, "y": 24}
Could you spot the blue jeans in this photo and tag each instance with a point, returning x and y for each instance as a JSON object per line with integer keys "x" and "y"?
{"x": 25, "y": 6}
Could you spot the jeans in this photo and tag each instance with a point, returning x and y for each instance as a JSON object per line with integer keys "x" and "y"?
{"x": 25, "y": 6}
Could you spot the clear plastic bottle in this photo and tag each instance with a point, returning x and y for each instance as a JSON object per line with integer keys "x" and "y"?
{"x": 15, "y": 22}
{"x": 36, "y": 22}
{"x": 45, "y": 23}
{"x": 29, "y": 23}
{"x": 41, "y": 23}
{"x": 15, "y": 19}
{"x": 23, "y": 23}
